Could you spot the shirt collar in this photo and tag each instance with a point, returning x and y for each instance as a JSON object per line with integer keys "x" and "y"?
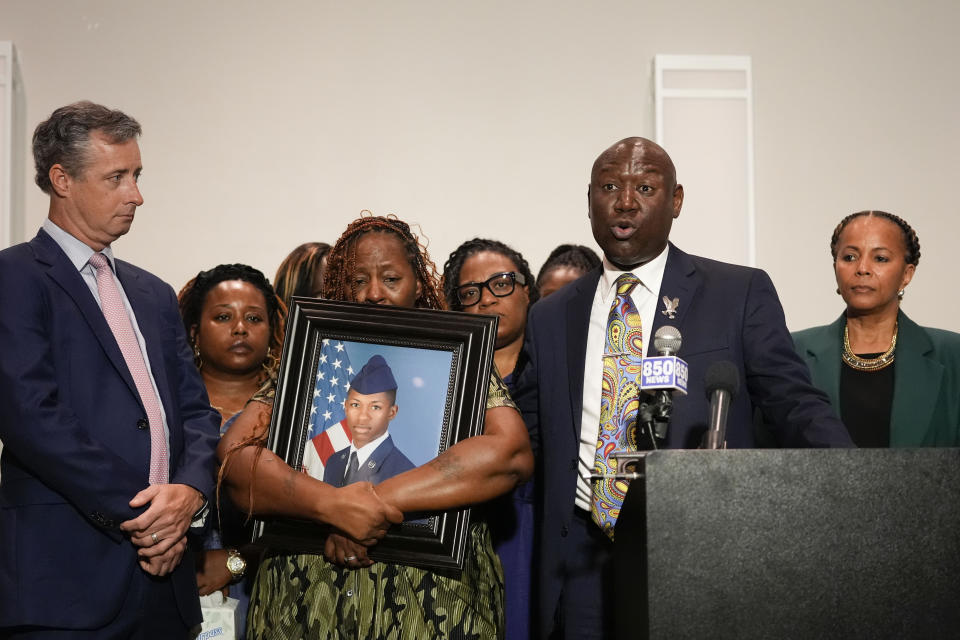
{"x": 650, "y": 274}
{"x": 77, "y": 251}
{"x": 365, "y": 451}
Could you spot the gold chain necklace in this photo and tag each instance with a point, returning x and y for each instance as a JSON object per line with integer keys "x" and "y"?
{"x": 885, "y": 359}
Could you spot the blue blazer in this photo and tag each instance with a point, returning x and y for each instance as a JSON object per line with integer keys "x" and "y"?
{"x": 725, "y": 312}
{"x": 76, "y": 445}
{"x": 926, "y": 380}
{"x": 385, "y": 462}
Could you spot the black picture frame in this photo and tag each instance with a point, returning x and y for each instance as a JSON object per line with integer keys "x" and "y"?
{"x": 435, "y": 541}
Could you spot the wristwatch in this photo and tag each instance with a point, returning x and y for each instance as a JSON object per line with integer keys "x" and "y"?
{"x": 236, "y": 565}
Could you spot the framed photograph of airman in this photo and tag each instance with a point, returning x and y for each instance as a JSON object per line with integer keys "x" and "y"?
{"x": 367, "y": 392}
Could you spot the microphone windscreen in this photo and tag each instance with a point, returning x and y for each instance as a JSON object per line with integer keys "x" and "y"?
{"x": 667, "y": 340}
{"x": 722, "y": 375}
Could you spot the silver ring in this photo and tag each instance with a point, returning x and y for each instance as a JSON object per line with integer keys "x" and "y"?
{"x": 350, "y": 558}
{"x": 153, "y": 536}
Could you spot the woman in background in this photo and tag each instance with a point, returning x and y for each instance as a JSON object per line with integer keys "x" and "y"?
{"x": 343, "y": 593}
{"x": 893, "y": 382}
{"x": 301, "y": 272}
{"x": 234, "y": 322}
{"x": 487, "y": 276}
{"x": 565, "y": 264}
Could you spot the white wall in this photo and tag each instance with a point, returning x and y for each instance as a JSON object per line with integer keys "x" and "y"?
{"x": 269, "y": 124}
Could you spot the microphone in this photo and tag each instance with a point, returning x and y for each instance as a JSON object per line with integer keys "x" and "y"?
{"x": 662, "y": 375}
{"x": 722, "y": 383}
{"x": 667, "y": 340}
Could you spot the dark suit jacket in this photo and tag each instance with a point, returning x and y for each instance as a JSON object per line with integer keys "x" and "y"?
{"x": 926, "y": 380}
{"x": 76, "y": 441}
{"x": 726, "y": 312}
{"x": 385, "y": 462}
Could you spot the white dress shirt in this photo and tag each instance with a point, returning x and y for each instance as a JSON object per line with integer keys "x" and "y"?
{"x": 367, "y": 450}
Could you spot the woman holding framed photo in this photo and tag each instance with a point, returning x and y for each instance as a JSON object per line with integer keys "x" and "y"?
{"x": 342, "y": 593}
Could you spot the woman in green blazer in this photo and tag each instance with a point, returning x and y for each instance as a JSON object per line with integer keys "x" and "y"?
{"x": 893, "y": 382}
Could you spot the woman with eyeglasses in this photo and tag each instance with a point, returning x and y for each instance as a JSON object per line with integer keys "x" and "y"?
{"x": 486, "y": 276}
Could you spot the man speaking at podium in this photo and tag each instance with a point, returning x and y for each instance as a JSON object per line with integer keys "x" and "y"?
{"x": 577, "y": 390}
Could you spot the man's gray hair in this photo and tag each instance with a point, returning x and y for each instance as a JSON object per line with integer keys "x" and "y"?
{"x": 64, "y": 138}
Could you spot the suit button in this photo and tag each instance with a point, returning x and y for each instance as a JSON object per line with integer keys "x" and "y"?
{"x": 563, "y": 531}
{"x": 142, "y": 424}
{"x": 573, "y": 465}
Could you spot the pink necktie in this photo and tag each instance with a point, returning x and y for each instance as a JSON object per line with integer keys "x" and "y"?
{"x": 119, "y": 321}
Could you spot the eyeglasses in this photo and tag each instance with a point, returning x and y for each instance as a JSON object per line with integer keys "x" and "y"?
{"x": 499, "y": 284}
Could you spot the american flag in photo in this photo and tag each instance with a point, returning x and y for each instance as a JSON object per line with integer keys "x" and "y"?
{"x": 328, "y": 430}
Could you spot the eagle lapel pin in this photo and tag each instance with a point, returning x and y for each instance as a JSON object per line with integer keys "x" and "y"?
{"x": 671, "y": 307}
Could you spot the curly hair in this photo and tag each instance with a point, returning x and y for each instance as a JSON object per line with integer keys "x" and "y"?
{"x": 296, "y": 273}
{"x": 64, "y": 137}
{"x": 194, "y": 294}
{"x": 341, "y": 260}
{"x": 574, "y": 256}
{"x": 910, "y": 240}
{"x": 454, "y": 264}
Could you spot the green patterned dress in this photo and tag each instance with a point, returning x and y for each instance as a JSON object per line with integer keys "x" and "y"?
{"x": 304, "y": 597}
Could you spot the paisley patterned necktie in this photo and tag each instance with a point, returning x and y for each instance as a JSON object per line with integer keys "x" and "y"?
{"x": 619, "y": 399}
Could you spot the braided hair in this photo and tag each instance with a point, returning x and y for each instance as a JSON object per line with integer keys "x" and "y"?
{"x": 295, "y": 274}
{"x": 194, "y": 294}
{"x": 910, "y": 240}
{"x": 341, "y": 261}
{"x": 454, "y": 264}
{"x": 574, "y": 256}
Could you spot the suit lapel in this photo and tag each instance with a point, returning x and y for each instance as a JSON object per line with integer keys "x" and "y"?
{"x": 916, "y": 385}
{"x": 680, "y": 281}
{"x": 577, "y": 325}
{"x": 62, "y": 271}
{"x": 336, "y": 467}
{"x": 824, "y": 359}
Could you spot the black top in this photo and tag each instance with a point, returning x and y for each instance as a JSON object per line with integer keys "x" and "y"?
{"x": 866, "y": 399}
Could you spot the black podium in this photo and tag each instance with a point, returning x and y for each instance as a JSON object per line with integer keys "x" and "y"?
{"x": 838, "y": 543}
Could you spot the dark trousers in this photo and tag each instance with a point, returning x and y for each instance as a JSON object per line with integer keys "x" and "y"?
{"x": 585, "y": 610}
{"x": 149, "y": 612}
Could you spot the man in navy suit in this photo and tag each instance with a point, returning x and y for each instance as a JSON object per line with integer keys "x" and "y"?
{"x": 370, "y": 406}
{"x": 723, "y": 311}
{"x": 108, "y": 435}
